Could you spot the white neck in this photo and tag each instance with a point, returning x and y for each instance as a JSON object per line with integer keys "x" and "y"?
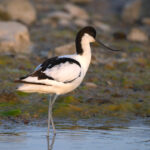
{"x": 86, "y": 55}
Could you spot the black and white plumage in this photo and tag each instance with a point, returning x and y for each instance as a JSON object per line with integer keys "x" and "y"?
{"x": 62, "y": 74}
{"x": 57, "y": 69}
{"x": 55, "y": 75}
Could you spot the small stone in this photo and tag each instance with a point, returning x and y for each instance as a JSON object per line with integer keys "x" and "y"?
{"x": 21, "y": 10}
{"x": 131, "y": 11}
{"x": 146, "y": 21}
{"x": 14, "y": 37}
{"x": 64, "y": 49}
{"x": 90, "y": 85}
{"x": 119, "y": 35}
{"x": 81, "y": 23}
{"x": 124, "y": 55}
{"x": 59, "y": 15}
{"x": 103, "y": 26}
{"x": 109, "y": 83}
{"x": 140, "y": 100}
{"x": 76, "y": 11}
{"x": 137, "y": 35}
{"x": 64, "y": 22}
{"x": 45, "y": 20}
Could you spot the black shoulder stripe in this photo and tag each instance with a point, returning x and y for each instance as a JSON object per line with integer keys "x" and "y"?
{"x": 48, "y": 62}
{"x": 64, "y": 60}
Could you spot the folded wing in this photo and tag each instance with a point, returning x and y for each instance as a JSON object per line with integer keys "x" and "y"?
{"x": 60, "y": 69}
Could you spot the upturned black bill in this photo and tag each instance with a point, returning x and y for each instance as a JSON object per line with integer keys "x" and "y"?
{"x": 99, "y": 43}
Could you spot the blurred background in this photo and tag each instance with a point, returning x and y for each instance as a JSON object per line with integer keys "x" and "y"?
{"x": 112, "y": 105}
{"x": 117, "y": 84}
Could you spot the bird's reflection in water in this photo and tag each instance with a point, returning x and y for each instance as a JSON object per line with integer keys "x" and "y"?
{"x": 50, "y": 142}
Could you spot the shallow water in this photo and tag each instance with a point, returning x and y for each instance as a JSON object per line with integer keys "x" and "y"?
{"x": 76, "y": 138}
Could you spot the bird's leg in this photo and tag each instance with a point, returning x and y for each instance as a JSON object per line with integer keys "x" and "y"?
{"x": 50, "y": 145}
{"x": 50, "y": 118}
{"x": 52, "y": 102}
{"x": 49, "y": 114}
{"x": 54, "y": 99}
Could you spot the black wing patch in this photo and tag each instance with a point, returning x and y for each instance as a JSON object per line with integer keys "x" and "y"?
{"x": 36, "y": 83}
{"x": 41, "y": 75}
{"x": 48, "y": 64}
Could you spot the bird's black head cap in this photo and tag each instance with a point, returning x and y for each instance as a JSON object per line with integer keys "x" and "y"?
{"x": 86, "y": 30}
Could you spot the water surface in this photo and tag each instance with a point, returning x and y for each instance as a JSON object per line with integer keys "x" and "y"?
{"x": 76, "y": 138}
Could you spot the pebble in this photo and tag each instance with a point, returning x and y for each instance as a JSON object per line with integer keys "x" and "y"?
{"x": 80, "y": 23}
{"x": 103, "y": 26}
{"x": 146, "y": 20}
{"x": 59, "y": 15}
{"x": 76, "y": 11}
{"x": 90, "y": 85}
{"x": 64, "y": 22}
{"x": 21, "y": 10}
{"x": 14, "y": 37}
{"x": 131, "y": 11}
{"x": 64, "y": 49}
{"x": 119, "y": 35}
{"x": 137, "y": 35}
{"x": 62, "y": 18}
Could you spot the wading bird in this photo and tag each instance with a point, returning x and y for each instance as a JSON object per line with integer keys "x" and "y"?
{"x": 62, "y": 74}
